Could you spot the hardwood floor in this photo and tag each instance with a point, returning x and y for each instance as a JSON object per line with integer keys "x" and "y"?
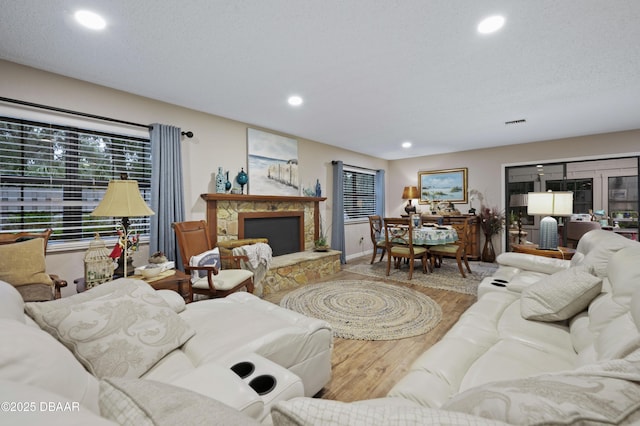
{"x": 369, "y": 369}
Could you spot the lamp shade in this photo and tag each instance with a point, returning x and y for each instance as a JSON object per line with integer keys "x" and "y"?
{"x": 409, "y": 193}
{"x": 550, "y": 203}
{"x": 122, "y": 199}
{"x": 518, "y": 200}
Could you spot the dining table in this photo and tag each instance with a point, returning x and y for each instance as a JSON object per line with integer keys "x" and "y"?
{"x": 432, "y": 235}
{"x": 427, "y": 235}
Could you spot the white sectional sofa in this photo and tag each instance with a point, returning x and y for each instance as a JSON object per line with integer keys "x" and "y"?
{"x": 144, "y": 353}
{"x": 559, "y": 343}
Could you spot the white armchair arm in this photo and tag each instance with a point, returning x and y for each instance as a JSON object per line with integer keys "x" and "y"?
{"x": 530, "y": 262}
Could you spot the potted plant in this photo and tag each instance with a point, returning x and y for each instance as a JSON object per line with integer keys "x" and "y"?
{"x": 322, "y": 243}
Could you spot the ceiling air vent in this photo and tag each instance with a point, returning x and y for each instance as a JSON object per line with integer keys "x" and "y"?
{"x": 521, "y": 121}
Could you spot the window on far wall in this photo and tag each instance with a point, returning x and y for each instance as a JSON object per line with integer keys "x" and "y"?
{"x": 53, "y": 176}
{"x": 359, "y": 194}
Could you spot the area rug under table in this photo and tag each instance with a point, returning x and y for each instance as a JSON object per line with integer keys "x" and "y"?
{"x": 366, "y": 310}
{"x": 447, "y": 277}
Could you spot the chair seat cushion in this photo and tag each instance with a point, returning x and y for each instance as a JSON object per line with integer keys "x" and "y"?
{"x": 404, "y": 251}
{"x": 225, "y": 280}
{"x": 36, "y": 292}
{"x": 445, "y": 248}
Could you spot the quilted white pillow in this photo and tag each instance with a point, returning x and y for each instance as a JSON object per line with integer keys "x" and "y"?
{"x": 208, "y": 258}
{"x": 141, "y": 402}
{"x": 560, "y": 296}
{"x": 119, "y": 337}
{"x": 312, "y": 412}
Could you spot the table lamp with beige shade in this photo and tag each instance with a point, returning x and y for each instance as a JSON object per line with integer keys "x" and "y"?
{"x": 410, "y": 193}
{"x": 549, "y": 204}
{"x": 123, "y": 199}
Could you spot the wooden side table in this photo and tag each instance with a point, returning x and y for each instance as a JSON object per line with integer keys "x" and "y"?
{"x": 178, "y": 281}
{"x": 562, "y": 252}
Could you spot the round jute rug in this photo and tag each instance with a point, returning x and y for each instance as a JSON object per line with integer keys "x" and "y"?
{"x": 366, "y": 310}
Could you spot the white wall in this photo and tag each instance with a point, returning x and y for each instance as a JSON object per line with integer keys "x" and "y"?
{"x": 222, "y": 142}
{"x": 217, "y": 142}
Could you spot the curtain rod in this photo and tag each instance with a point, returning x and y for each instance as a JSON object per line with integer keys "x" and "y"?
{"x": 68, "y": 111}
{"x": 188, "y": 134}
{"x": 355, "y": 167}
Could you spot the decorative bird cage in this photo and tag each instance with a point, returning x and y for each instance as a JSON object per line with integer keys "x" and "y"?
{"x": 98, "y": 266}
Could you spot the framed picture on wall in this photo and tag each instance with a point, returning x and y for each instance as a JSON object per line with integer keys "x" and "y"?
{"x": 272, "y": 164}
{"x": 443, "y": 185}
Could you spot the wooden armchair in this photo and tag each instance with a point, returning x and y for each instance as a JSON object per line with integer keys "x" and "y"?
{"x": 377, "y": 237}
{"x": 399, "y": 244}
{"x": 34, "y": 291}
{"x": 458, "y": 250}
{"x": 193, "y": 240}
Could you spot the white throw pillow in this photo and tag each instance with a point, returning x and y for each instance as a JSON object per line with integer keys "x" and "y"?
{"x": 208, "y": 258}
{"x": 121, "y": 337}
{"x": 112, "y": 289}
{"x": 146, "y": 402}
{"x": 560, "y": 296}
{"x": 607, "y": 393}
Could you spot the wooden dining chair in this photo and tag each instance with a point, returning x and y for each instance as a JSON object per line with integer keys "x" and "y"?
{"x": 377, "y": 237}
{"x": 193, "y": 240}
{"x": 458, "y": 250}
{"x": 399, "y": 244}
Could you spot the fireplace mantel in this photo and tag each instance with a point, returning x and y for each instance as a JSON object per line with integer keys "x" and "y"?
{"x": 257, "y": 203}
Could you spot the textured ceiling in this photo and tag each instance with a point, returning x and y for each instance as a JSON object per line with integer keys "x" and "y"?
{"x": 373, "y": 73}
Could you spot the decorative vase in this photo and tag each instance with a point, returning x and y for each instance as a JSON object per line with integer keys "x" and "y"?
{"x": 220, "y": 181}
{"x": 488, "y": 253}
{"x": 318, "y": 188}
{"x": 227, "y": 184}
{"x": 242, "y": 179}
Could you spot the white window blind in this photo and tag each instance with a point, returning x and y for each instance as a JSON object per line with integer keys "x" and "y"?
{"x": 53, "y": 176}
{"x": 359, "y": 194}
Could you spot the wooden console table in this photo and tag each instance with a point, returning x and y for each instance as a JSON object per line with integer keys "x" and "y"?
{"x": 562, "y": 252}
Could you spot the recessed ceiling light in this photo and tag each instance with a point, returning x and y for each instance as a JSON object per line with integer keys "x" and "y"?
{"x": 90, "y": 20}
{"x": 406, "y": 144}
{"x": 295, "y": 100}
{"x": 491, "y": 24}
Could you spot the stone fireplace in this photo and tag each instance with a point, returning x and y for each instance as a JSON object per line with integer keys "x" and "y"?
{"x": 237, "y": 216}
{"x": 230, "y": 215}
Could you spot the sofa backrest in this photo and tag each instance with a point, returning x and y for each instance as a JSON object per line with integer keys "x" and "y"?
{"x": 11, "y": 303}
{"x": 598, "y": 245}
{"x": 612, "y": 322}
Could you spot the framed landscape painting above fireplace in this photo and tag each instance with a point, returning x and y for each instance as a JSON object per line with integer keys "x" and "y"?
{"x": 443, "y": 185}
{"x": 272, "y": 164}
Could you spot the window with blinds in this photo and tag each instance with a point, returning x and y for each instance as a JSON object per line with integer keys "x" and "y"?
{"x": 359, "y": 194}
{"x": 53, "y": 176}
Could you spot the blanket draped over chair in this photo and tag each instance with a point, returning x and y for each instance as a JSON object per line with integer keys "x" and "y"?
{"x": 259, "y": 255}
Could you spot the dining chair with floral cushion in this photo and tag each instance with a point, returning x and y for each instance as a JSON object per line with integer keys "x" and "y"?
{"x": 458, "y": 250}
{"x": 377, "y": 237}
{"x": 399, "y": 244}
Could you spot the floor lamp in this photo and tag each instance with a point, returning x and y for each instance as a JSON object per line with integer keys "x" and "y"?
{"x": 549, "y": 204}
{"x": 123, "y": 199}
